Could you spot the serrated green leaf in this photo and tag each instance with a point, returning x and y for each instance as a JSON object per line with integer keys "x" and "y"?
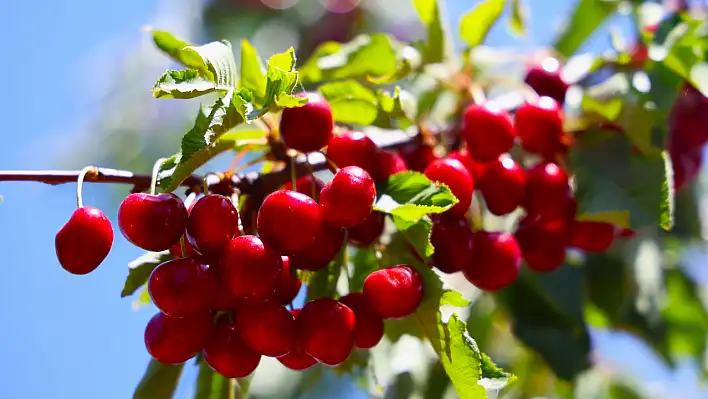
{"x": 218, "y": 63}
{"x": 476, "y": 24}
{"x": 139, "y": 270}
{"x": 517, "y": 21}
{"x": 159, "y": 381}
{"x": 351, "y": 102}
{"x": 174, "y": 47}
{"x": 182, "y": 84}
{"x": 410, "y": 196}
{"x": 210, "y": 384}
{"x": 253, "y": 75}
{"x": 417, "y": 234}
{"x": 281, "y": 79}
{"x": 587, "y": 16}
{"x": 429, "y": 14}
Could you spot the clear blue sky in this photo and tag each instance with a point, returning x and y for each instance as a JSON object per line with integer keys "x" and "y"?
{"x": 63, "y": 336}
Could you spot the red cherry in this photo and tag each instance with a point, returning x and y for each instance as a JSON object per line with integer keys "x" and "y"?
{"x": 686, "y": 166}
{"x": 452, "y": 173}
{"x": 308, "y": 185}
{"x": 394, "y": 292}
{"x": 223, "y": 299}
{"x": 227, "y": 354}
{"x": 212, "y": 223}
{"x": 84, "y": 241}
{"x": 250, "y": 268}
{"x": 546, "y": 192}
{"x": 451, "y": 237}
{"x": 267, "y": 328}
{"x": 297, "y": 359}
{"x": 688, "y": 120}
{"x": 181, "y": 286}
{"x": 540, "y": 126}
{"x": 545, "y": 79}
{"x": 488, "y": 132}
{"x": 355, "y": 149}
{"x": 495, "y": 261}
{"x": 288, "y": 286}
{"x": 475, "y": 168}
{"x": 326, "y": 329}
{"x": 369, "y": 325}
{"x": 307, "y": 128}
{"x": 591, "y": 236}
{"x": 347, "y": 199}
{"x": 503, "y": 186}
{"x": 543, "y": 249}
{"x": 174, "y": 340}
{"x": 176, "y": 250}
{"x": 391, "y": 163}
{"x": 418, "y": 157}
{"x": 327, "y": 244}
{"x": 289, "y": 221}
{"x": 152, "y": 222}
{"x": 368, "y": 231}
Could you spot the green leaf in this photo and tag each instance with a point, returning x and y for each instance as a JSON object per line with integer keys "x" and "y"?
{"x": 476, "y": 24}
{"x": 351, "y": 102}
{"x": 686, "y": 317}
{"x": 323, "y": 283}
{"x": 587, "y": 16}
{"x": 253, "y": 76}
{"x": 429, "y": 14}
{"x": 517, "y": 21}
{"x": 365, "y": 262}
{"x": 159, "y": 381}
{"x": 210, "y": 384}
{"x": 218, "y": 63}
{"x": 174, "y": 47}
{"x": 281, "y": 80}
{"x": 139, "y": 270}
{"x": 401, "y": 105}
{"x": 417, "y": 234}
{"x": 186, "y": 83}
{"x": 410, "y": 196}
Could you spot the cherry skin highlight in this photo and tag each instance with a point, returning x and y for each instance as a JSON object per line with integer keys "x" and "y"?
{"x": 475, "y": 168}
{"x": 495, "y": 261}
{"x": 308, "y": 185}
{"x": 451, "y": 237}
{"x": 152, "y": 222}
{"x": 394, "y": 292}
{"x": 307, "y": 128}
{"x": 591, "y": 236}
{"x": 174, "y": 340}
{"x": 227, "y": 354}
{"x": 369, "y": 325}
{"x": 180, "y": 287}
{"x": 356, "y": 149}
{"x": 542, "y": 248}
{"x": 84, "y": 241}
{"x": 289, "y": 221}
{"x": 326, "y": 330}
{"x": 213, "y": 222}
{"x": 288, "y": 286}
{"x": 540, "y": 126}
{"x": 488, "y": 132}
{"x": 347, "y": 199}
{"x": 368, "y": 231}
{"x": 453, "y": 173}
{"x": 250, "y": 268}
{"x": 546, "y": 192}
{"x": 267, "y": 328}
{"x": 297, "y": 359}
{"x": 503, "y": 186}
{"x": 545, "y": 79}
{"x": 327, "y": 244}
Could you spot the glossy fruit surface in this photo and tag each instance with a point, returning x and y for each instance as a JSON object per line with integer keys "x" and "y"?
{"x": 309, "y": 127}
{"x": 546, "y": 192}
{"x": 326, "y": 330}
{"x": 495, "y": 261}
{"x": 355, "y": 149}
{"x": 84, "y": 241}
{"x": 308, "y": 185}
{"x": 592, "y": 236}
{"x": 227, "y": 354}
{"x": 418, "y": 157}
{"x": 328, "y": 242}
{"x": 543, "y": 249}
{"x": 503, "y": 186}
{"x": 267, "y": 328}
{"x": 180, "y": 287}
{"x": 688, "y": 120}
{"x": 289, "y": 221}
{"x": 176, "y": 249}
{"x": 250, "y": 267}
{"x": 297, "y": 359}
{"x": 213, "y": 222}
{"x": 174, "y": 340}
{"x": 288, "y": 286}
{"x": 546, "y": 80}
{"x": 539, "y": 125}
{"x": 488, "y": 132}
{"x": 152, "y": 222}
{"x": 369, "y": 325}
{"x": 453, "y": 173}
{"x": 394, "y": 292}
{"x": 391, "y": 163}
{"x": 451, "y": 237}
{"x": 368, "y": 231}
{"x": 347, "y": 199}
{"x": 475, "y": 168}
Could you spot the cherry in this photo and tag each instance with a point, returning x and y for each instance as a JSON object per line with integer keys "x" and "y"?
{"x": 391, "y": 163}
{"x": 418, "y": 157}
{"x": 451, "y": 237}
{"x": 288, "y": 286}
{"x": 591, "y": 236}
{"x": 152, "y": 222}
{"x": 326, "y": 330}
{"x": 369, "y": 325}
{"x": 394, "y": 292}
{"x": 542, "y": 247}
{"x": 488, "y": 132}
{"x": 212, "y": 223}
{"x": 347, "y": 199}
{"x": 539, "y": 125}
{"x": 308, "y": 185}
{"x": 356, "y": 149}
{"x": 495, "y": 261}
{"x": 453, "y": 173}
{"x": 686, "y": 165}
{"x": 176, "y": 250}
{"x": 267, "y": 328}
{"x": 327, "y": 244}
{"x": 297, "y": 359}
{"x": 289, "y": 221}
{"x": 181, "y": 286}
{"x": 174, "y": 340}
{"x": 475, "y": 168}
{"x": 503, "y": 186}
{"x": 545, "y": 79}
{"x": 222, "y": 298}
{"x": 227, "y": 354}
{"x": 250, "y": 268}
{"x": 84, "y": 241}
{"x": 307, "y": 128}
{"x": 546, "y": 192}
{"x": 688, "y": 119}
{"x": 368, "y": 231}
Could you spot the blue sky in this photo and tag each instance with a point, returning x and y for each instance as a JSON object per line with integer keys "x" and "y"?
{"x": 63, "y": 336}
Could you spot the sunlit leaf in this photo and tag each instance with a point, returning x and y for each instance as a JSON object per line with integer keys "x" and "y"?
{"x": 159, "y": 381}
{"x": 351, "y": 102}
{"x": 410, "y": 196}
{"x": 253, "y": 75}
{"x": 476, "y": 24}
{"x": 587, "y": 16}
{"x": 182, "y": 84}
{"x": 517, "y": 21}
{"x": 429, "y": 14}
{"x": 139, "y": 270}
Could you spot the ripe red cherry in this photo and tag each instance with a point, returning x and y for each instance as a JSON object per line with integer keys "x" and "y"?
{"x": 688, "y": 121}
{"x": 174, "y": 340}
{"x": 289, "y": 221}
{"x": 451, "y": 237}
{"x": 326, "y": 330}
{"x": 591, "y": 236}
{"x": 222, "y": 298}
{"x": 488, "y": 132}
{"x": 369, "y": 325}
{"x": 686, "y": 165}
{"x": 453, "y": 173}
{"x": 418, "y": 157}
{"x": 475, "y": 168}
{"x": 297, "y": 359}
{"x": 539, "y": 125}
{"x": 495, "y": 261}
{"x": 250, "y": 268}
{"x": 545, "y": 79}
{"x": 288, "y": 286}
{"x": 503, "y": 186}
{"x": 181, "y": 286}
{"x": 84, "y": 241}
{"x": 327, "y": 244}
{"x": 227, "y": 354}
{"x": 355, "y": 149}
{"x": 213, "y": 222}
{"x": 546, "y": 192}
{"x": 307, "y": 128}
{"x": 368, "y": 231}
{"x": 394, "y": 292}
{"x": 543, "y": 249}
{"x": 308, "y": 185}
{"x": 391, "y": 163}
{"x": 267, "y": 328}
{"x": 152, "y": 222}
{"x": 347, "y": 199}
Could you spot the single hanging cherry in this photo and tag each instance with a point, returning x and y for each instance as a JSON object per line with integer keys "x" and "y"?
{"x": 307, "y": 128}
{"x": 347, "y": 199}
{"x": 394, "y": 292}
{"x": 174, "y": 340}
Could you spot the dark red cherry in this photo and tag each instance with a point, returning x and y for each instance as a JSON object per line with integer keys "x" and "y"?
{"x": 222, "y": 298}
{"x": 453, "y": 173}
{"x": 539, "y": 125}
{"x": 327, "y": 244}
{"x": 326, "y": 330}
{"x": 686, "y": 166}
{"x": 368, "y": 231}
{"x": 451, "y": 237}
{"x": 418, "y": 157}
{"x": 84, "y": 241}
{"x": 227, "y": 354}
{"x": 546, "y": 192}
{"x": 152, "y": 222}
{"x": 289, "y": 221}
{"x": 213, "y": 222}
{"x": 181, "y": 286}
{"x": 688, "y": 120}
{"x": 307, "y": 128}
{"x": 543, "y": 248}
{"x": 391, "y": 164}
{"x": 475, "y": 168}
{"x": 503, "y": 186}
{"x": 356, "y": 149}
{"x": 592, "y": 236}
{"x": 495, "y": 261}
{"x": 174, "y": 340}
{"x": 267, "y": 328}
{"x": 487, "y": 131}
{"x": 297, "y": 359}
{"x": 250, "y": 268}
{"x": 545, "y": 79}
{"x": 369, "y": 325}
{"x": 288, "y": 286}
{"x": 176, "y": 249}
{"x": 394, "y": 292}
{"x": 347, "y": 199}
{"x": 308, "y": 185}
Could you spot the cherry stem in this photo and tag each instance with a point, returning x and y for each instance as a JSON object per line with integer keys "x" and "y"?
{"x": 183, "y": 246}
{"x": 80, "y": 184}
{"x": 155, "y": 172}
{"x": 312, "y": 178}
{"x": 239, "y": 156}
{"x": 251, "y": 163}
{"x": 330, "y": 162}
{"x": 293, "y": 173}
